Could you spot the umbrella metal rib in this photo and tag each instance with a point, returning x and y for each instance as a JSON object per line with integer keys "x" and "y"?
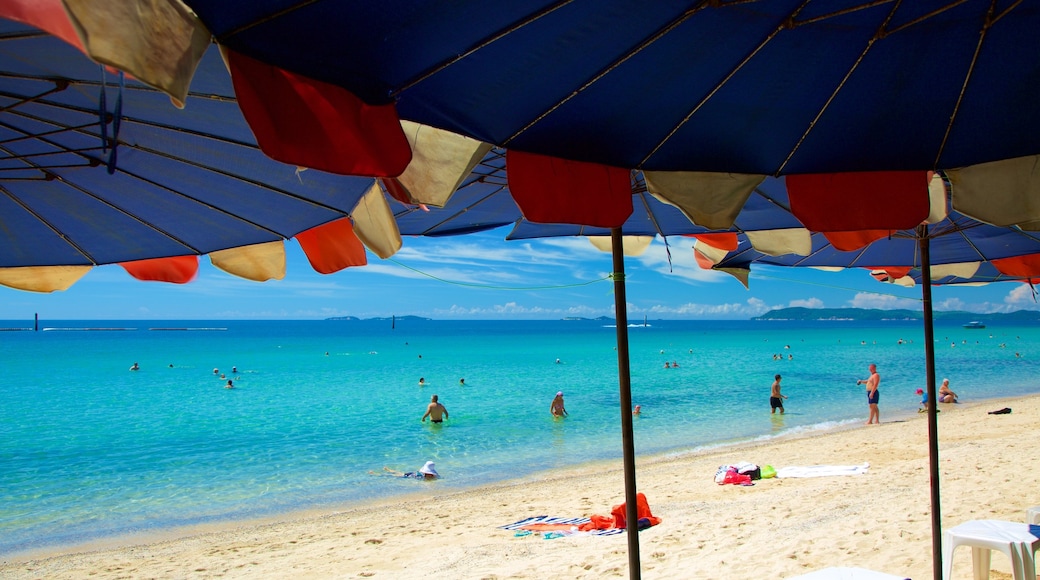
{"x": 393, "y": 94}
{"x": 79, "y": 249}
{"x": 128, "y": 121}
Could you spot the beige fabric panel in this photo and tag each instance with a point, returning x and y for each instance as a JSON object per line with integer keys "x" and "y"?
{"x": 42, "y": 278}
{"x": 796, "y": 241}
{"x": 375, "y": 225}
{"x": 158, "y": 42}
{"x": 632, "y": 245}
{"x": 738, "y": 273}
{"x": 938, "y": 208}
{"x": 440, "y": 161}
{"x": 961, "y": 270}
{"x": 257, "y": 262}
{"x": 1001, "y": 193}
{"x": 712, "y": 200}
{"x": 715, "y": 255}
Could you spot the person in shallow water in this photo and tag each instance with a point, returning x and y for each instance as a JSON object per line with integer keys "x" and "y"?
{"x": 427, "y": 472}
{"x": 435, "y": 411}
{"x": 556, "y": 408}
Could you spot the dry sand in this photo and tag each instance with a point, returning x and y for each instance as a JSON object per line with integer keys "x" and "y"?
{"x": 774, "y": 529}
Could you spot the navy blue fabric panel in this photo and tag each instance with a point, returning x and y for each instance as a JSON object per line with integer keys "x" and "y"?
{"x": 188, "y": 181}
{"x": 750, "y": 87}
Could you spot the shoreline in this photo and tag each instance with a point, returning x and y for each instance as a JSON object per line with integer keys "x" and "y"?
{"x": 560, "y": 474}
{"x": 879, "y": 520}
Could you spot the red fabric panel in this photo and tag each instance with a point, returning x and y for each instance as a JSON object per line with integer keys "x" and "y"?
{"x": 1027, "y": 266}
{"x": 845, "y": 202}
{"x": 47, "y": 15}
{"x": 310, "y": 123}
{"x": 176, "y": 270}
{"x": 849, "y": 241}
{"x": 396, "y": 191}
{"x": 559, "y": 191}
{"x": 332, "y": 247}
{"x": 896, "y": 272}
{"x": 723, "y": 241}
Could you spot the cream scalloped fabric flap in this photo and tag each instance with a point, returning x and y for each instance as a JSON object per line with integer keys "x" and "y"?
{"x": 937, "y": 207}
{"x": 158, "y": 42}
{"x": 42, "y": 278}
{"x": 905, "y": 281}
{"x": 257, "y": 262}
{"x": 440, "y": 161}
{"x": 738, "y": 273}
{"x": 632, "y": 245}
{"x": 713, "y": 254}
{"x": 1001, "y": 193}
{"x": 796, "y": 241}
{"x": 960, "y": 270}
{"x": 374, "y": 223}
{"x": 712, "y": 200}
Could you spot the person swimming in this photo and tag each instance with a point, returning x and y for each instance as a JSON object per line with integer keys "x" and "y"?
{"x": 135, "y": 367}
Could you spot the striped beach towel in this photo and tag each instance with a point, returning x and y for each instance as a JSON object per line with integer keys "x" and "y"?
{"x": 558, "y": 525}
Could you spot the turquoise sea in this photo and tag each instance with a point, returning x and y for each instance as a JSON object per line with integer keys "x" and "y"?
{"x": 89, "y": 449}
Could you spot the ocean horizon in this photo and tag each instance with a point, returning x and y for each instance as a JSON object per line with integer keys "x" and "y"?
{"x": 91, "y": 450}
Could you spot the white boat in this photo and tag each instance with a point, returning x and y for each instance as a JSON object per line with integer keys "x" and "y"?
{"x": 974, "y": 324}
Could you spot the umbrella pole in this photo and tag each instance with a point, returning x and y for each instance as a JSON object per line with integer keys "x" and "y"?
{"x": 625, "y": 384}
{"x": 933, "y": 427}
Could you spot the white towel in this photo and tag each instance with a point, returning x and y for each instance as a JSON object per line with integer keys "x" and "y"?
{"x": 821, "y": 470}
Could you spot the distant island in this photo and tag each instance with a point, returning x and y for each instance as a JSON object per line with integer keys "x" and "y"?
{"x": 800, "y": 313}
{"x": 598, "y": 319}
{"x": 408, "y": 317}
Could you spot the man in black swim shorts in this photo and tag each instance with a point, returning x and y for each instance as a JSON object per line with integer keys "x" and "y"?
{"x": 776, "y": 400}
{"x": 435, "y": 411}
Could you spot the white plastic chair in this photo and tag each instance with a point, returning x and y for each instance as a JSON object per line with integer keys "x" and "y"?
{"x": 1033, "y": 515}
{"x": 1012, "y": 538}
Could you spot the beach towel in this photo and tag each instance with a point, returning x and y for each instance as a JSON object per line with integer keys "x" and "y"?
{"x": 558, "y": 525}
{"x": 617, "y": 516}
{"x": 821, "y": 470}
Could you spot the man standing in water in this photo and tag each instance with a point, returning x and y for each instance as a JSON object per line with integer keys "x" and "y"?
{"x": 776, "y": 400}
{"x": 872, "y": 394}
{"x": 435, "y": 411}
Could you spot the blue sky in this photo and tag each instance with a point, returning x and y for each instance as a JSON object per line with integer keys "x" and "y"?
{"x": 482, "y": 276}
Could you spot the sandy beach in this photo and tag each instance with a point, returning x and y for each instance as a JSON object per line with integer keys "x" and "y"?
{"x": 777, "y": 528}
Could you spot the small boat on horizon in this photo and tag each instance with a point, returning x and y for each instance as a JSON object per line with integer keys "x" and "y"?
{"x": 974, "y": 324}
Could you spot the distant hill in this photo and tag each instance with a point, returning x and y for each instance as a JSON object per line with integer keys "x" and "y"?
{"x": 409, "y": 317}
{"x": 875, "y": 314}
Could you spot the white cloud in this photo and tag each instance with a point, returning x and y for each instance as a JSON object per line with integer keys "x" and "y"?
{"x": 883, "y": 302}
{"x": 734, "y": 310}
{"x": 950, "y": 304}
{"x": 807, "y": 303}
{"x": 683, "y": 264}
{"x": 1021, "y": 296}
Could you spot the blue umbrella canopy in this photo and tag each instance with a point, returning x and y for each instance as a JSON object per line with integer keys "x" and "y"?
{"x": 97, "y": 168}
{"x": 765, "y": 87}
{"x": 961, "y": 250}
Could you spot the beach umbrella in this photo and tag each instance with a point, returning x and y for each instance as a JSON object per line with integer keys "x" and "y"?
{"x": 704, "y": 99}
{"x": 97, "y": 168}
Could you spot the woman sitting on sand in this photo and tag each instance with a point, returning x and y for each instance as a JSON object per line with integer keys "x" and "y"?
{"x": 945, "y": 394}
